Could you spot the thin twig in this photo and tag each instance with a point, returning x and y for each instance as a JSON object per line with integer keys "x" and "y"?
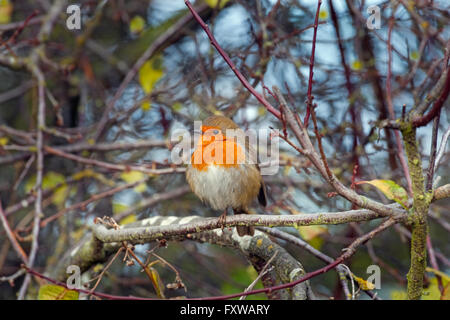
{"x": 227, "y": 59}
{"x": 10, "y": 234}
{"x": 39, "y": 177}
{"x": 309, "y": 103}
{"x": 400, "y": 151}
{"x": 442, "y": 147}
{"x": 261, "y": 274}
{"x": 349, "y": 251}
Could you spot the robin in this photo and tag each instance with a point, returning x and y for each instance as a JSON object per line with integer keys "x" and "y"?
{"x": 223, "y": 170}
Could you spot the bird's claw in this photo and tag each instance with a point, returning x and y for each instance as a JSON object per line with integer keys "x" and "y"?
{"x": 222, "y": 220}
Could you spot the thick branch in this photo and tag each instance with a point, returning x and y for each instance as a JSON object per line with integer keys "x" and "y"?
{"x": 174, "y": 227}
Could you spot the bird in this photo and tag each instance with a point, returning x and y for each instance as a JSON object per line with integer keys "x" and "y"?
{"x": 223, "y": 171}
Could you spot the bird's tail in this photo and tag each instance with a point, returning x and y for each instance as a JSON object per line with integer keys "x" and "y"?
{"x": 245, "y": 231}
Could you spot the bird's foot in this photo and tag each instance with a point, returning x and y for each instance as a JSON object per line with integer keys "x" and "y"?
{"x": 222, "y": 219}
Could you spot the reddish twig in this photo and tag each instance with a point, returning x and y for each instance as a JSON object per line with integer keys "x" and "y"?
{"x": 227, "y": 59}
{"x": 19, "y": 29}
{"x": 349, "y": 251}
{"x": 425, "y": 119}
{"x": 434, "y": 263}
{"x": 349, "y": 86}
{"x": 149, "y": 52}
{"x": 309, "y": 103}
{"x": 112, "y": 166}
{"x": 11, "y": 236}
{"x": 97, "y": 294}
{"x": 95, "y": 197}
{"x": 319, "y": 143}
{"x": 100, "y": 276}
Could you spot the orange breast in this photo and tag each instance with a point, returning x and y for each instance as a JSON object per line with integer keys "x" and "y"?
{"x": 224, "y": 152}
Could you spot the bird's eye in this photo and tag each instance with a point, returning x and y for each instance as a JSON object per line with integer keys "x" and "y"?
{"x": 216, "y": 131}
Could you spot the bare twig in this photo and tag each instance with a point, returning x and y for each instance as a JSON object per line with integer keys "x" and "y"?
{"x": 309, "y": 103}
{"x": 12, "y": 238}
{"x": 349, "y": 251}
{"x": 400, "y": 151}
{"x": 39, "y": 176}
{"x": 442, "y": 147}
{"x": 261, "y": 274}
{"x": 227, "y": 59}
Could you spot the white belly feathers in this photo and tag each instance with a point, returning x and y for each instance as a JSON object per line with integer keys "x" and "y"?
{"x": 224, "y": 187}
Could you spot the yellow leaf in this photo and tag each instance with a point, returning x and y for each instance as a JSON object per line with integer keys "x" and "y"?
{"x": 434, "y": 285}
{"x": 177, "y": 106}
{"x": 134, "y": 176}
{"x": 89, "y": 173}
{"x": 364, "y": 284}
{"x": 213, "y": 3}
{"x": 6, "y": 9}
{"x": 137, "y": 24}
{"x": 156, "y": 281}
{"x": 145, "y": 106}
{"x": 316, "y": 242}
{"x": 60, "y": 195}
{"x": 424, "y": 24}
{"x": 261, "y": 111}
{"x": 50, "y": 181}
{"x": 98, "y": 268}
{"x": 399, "y": 295}
{"x": 118, "y": 207}
{"x": 323, "y": 14}
{"x": 432, "y": 292}
{"x": 390, "y": 189}
{"x": 286, "y": 170}
{"x": 357, "y": 65}
{"x": 131, "y": 218}
{"x": 150, "y": 72}
{"x": 4, "y": 141}
{"x": 310, "y": 232}
{"x": 446, "y": 294}
{"x": 414, "y": 55}
{"x": 444, "y": 277}
{"x": 54, "y": 292}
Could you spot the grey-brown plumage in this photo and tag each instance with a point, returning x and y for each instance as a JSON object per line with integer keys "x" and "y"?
{"x": 224, "y": 186}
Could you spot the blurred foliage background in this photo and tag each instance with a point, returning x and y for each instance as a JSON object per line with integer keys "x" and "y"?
{"x": 184, "y": 79}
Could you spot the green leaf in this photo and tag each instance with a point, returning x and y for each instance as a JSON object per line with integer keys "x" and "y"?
{"x": 390, "y": 189}
{"x": 242, "y": 277}
{"x": 54, "y": 292}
